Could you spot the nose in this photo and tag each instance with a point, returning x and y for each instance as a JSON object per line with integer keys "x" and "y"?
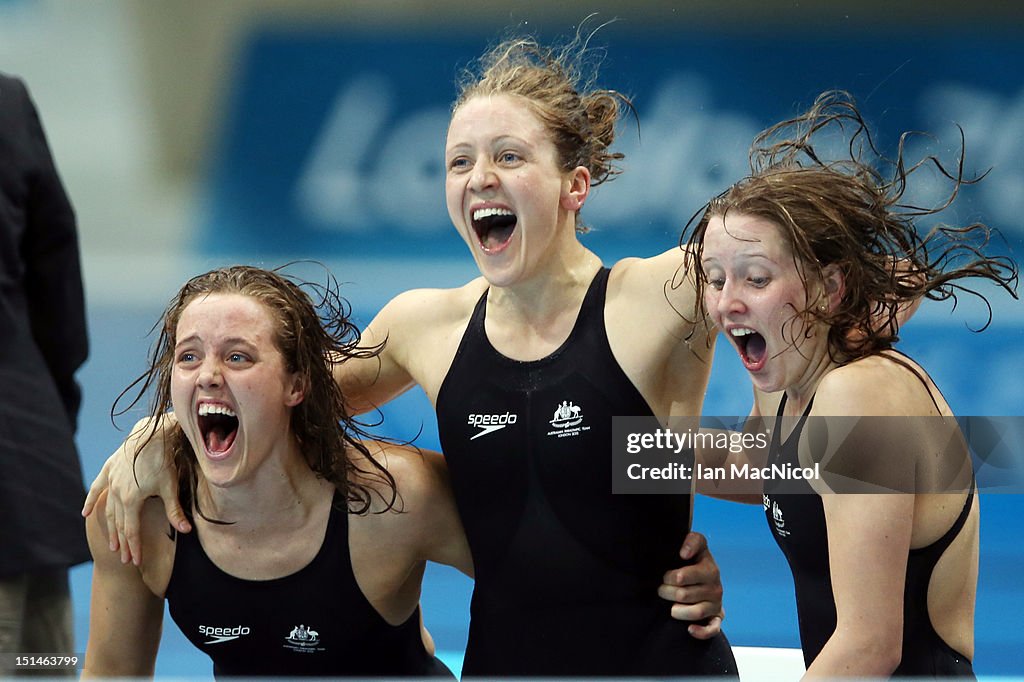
{"x": 730, "y": 300}
{"x": 483, "y": 176}
{"x": 209, "y": 375}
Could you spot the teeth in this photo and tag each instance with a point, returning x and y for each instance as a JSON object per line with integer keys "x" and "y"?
{"x": 208, "y": 408}
{"x": 741, "y": 331}
{"x": 482, "y": 213}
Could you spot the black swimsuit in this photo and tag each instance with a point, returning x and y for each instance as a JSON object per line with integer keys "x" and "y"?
{"x": 566, "y": 572}
{"x": 314, "y": 622}
{"x": 797, "y": 521}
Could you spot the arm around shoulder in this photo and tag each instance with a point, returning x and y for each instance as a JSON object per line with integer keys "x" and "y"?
{"x": 138, "y": 470}
{"x": 432, "y": 519}
{"x": 447, "y": 538}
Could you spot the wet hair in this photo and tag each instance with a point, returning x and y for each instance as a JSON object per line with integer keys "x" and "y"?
{"x": 846, "y": 213}
{"x": 580, "y": 118}
{"x": 312, "y": 339}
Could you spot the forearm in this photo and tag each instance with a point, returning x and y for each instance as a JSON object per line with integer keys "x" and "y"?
{"x": 125, "y": 618}
{"x": 868, "y": 545}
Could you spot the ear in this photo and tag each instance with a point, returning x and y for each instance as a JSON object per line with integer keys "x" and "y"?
{"x": 575, "y": 189}
{"x": 835, "y": 285}
{"x": 296, "y": 391}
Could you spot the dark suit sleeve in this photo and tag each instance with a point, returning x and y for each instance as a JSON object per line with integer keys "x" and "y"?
{"x": 53, "y": 276}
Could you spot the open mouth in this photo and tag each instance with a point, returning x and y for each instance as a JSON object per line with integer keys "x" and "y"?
{"x": 494, "y": 228}
{"x": 752, "y": 347}
{"x": 218, "y": 425}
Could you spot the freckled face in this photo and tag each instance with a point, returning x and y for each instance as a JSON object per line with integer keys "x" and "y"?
{"x": 504, "y": 188}
{"x": 754, "y": 291}
{"x": 230, "y": 390}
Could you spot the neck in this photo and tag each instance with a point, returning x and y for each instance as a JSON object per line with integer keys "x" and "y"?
{"x": 800, "y": 393}
{"x": 280, "y": 493}
{"x": 555, "y": 287}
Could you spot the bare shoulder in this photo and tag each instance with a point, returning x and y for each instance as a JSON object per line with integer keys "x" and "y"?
{"x": 885, "y": 429}
{"x": 880, "y": 385}
{"x": 419, "y": 333}
{"x": 423, "y": 314}
{"x": 664, "y": 270}
{"x": 418, "y": 474}
{"x": 433, "y": 306}
{"x": 658, "y": 288}
{"x": 657, "y": 332}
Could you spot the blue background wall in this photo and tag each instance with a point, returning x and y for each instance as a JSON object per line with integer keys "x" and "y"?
{"x": 333, "y": 142}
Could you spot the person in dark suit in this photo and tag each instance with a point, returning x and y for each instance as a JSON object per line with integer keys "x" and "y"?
{"x": 42, "y": 343}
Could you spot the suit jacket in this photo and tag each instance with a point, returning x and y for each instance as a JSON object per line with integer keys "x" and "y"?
{"x": 42, "y": 343}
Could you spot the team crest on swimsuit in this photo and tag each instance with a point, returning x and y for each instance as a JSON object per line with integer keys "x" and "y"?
{"x": 780, "y": 523}
{"x": 567, "y": 415}
{"x": 303, "y": 638}
{"x": 567, "y": 420}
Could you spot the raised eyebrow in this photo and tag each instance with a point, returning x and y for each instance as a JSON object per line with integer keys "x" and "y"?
{"x": 746, "y": 255}
{"x": 239, "y": 341}
{"x": 187, "y": 341}
{"x": 710, "y": 261}
{"x": 232, "y": 341}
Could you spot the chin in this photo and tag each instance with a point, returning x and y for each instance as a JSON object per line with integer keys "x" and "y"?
{"x": 222, "y": 473}
{"x": 502, "y": 275}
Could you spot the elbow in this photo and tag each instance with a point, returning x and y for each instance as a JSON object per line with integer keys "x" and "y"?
{"x": 868, "y": 653}
{"x": 886, "y": 647}
{"x": 889, "y": 657}
{"x": 880, "y": 652}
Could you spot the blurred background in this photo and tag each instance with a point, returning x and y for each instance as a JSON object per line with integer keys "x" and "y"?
{"x": 196, "y": 133}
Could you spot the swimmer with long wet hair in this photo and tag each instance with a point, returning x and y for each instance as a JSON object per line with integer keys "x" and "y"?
{"x": 309, "y": 542}
{"x": 805, "y": 266}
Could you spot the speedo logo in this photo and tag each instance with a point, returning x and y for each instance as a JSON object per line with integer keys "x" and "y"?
{"x": 489, "y": 423}
{"x": 219, "y": 635}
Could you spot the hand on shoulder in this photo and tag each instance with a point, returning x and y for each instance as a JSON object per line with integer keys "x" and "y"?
{"x": 154, "y": 535}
